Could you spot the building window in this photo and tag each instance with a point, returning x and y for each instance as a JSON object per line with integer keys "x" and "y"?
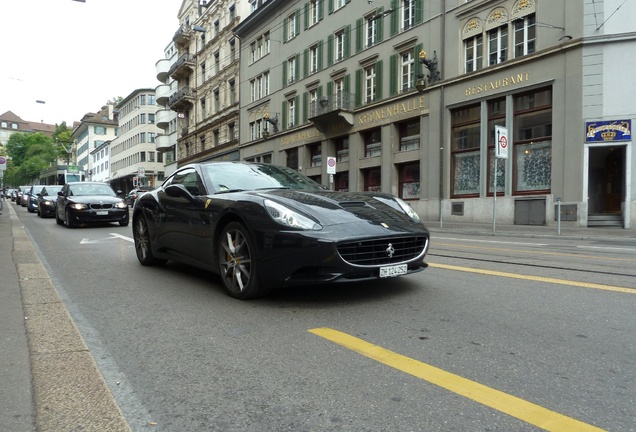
{"x": 342, "y": 149}
{"x": 371, "y": 30}
{"x": 232, "y": 92}
{"x": 496, "y": 117}
{"x": 291, "y": 26}
{"x": 142, "y": 118}
{"x": 465, "y": 156}
{"x": 474, "y": 53}
{"x": 216, "y": 28}
{"x": 525, "y": 36}
{"x": 256, "y": 130}
{"x": 151, "y": 137}
{"x": 313, "y": 59}
{"x": 253, "y": 52}
{"x": 408, "y": 14}
{"x": 151, "y": 156}
{"x": 291, "y": 69}
{"x": 370, "y": 84}
{"x": 215, "y": 138}
{"x": 497, "y": 45}
{"x": 292, "y": 158}
{"x": 315, "y": 152}
{"x": 339, "y": 46}
{"x": 266, "y": 41}
{"x": 142, "y": 137}
{"x": 233, "y": 51}
{"x": 291, "y": 112}
{"x": 407, "y": 76}
{"x": 253, "y": 5}
{"x": 217, "y": 62}
{"x": 373, "y": 143}
{"x": 373, "y": 180}
{"x": 409, "y": 181}
{"x": 313, "y": 12}
{"x": 341, "y": 181}
{"x": 217, "y": 103}
{"x": 339, "y": 92}
{"x": 151, "y": 119}
{"x": 532, "y": 133}
{"x": 99, "y": 130}
{"x": 338, "y": 4}
{"x": 232, "y": 12}
{"x": 231, "y": 131}
{"x": 409, "y": 135}
{"x": 202, "y": 141}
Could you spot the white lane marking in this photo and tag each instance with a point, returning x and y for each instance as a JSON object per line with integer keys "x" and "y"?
{"x": 112, "y": 236}
{"x": 607, "y": 248}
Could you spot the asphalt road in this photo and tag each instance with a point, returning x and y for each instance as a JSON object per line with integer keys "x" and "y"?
{"x": 496, "y": 335}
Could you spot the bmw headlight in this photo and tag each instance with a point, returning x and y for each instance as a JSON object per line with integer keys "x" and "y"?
{"x": 288, "y": 217}
{"x": 121, "y": 205}
{"x": 408, "y": 209}
{"x": 78, "y": 206}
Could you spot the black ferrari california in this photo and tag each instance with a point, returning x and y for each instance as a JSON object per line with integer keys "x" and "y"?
{"x": 262, "y": 226}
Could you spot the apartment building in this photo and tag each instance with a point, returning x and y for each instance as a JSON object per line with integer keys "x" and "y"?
{"x": 134, "y": 159}
{"x": 90, "y": 133}
{"x": 407, "y": 97}
{"x": 206, "y": 70}
{"x": 11, "y": 123}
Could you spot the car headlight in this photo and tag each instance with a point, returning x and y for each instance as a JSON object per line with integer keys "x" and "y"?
{"x": 121, "y": 205}
{"x": 47, "y": 202}
{"x": 289, "y": 218}
{"x": 78, "y": 206}
{"x": 408, "y": 209}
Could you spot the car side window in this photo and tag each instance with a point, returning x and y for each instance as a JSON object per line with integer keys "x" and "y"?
{"x": 190, "y": 180}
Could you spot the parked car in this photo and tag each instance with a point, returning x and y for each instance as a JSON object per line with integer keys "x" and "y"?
{"x": 14, "y": 192}
{"x": 262, "y": 226}
{"x": 32, "y": 201}
{"x": 23, "y": 196}
{"x": 46, "y": 200}
{"x": 132, "y": 196}
{"x": 89, "y": 202}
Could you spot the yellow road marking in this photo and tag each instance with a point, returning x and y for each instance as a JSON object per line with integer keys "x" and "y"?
{"x": 504, "y": 402}
{"x": 536, "y": 278}
{"x": 539, "y": 252}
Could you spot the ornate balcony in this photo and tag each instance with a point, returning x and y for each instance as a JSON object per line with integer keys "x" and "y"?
{"x": 332, "y": 111}
{"x": 183, "y": 35}
{"x": 182, "y": 100}
{"x": 183, "y": 67}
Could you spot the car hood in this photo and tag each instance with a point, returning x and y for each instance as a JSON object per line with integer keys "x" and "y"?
{"x": 333, "y": 208}
{"x": 89, "y": 199}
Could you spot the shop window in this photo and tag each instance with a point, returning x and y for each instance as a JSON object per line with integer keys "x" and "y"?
{"x": 315, "y": 154}
{"x": 292, "y": 158}
{"x": 532, "y": 133}
{"x": 341, "y": 181}
{"x": 409, "y": 183}
{"x": 373, "y": 143}
{"x": 409, "y": 135}
{"x": 465, "y": 155}
{"x": 496, "y": 117}
{"x": 373, "y": 180}
{"x": 342, "y": 149}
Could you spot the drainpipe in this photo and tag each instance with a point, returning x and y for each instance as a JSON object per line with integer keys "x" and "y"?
{"x": 441, "y": 114}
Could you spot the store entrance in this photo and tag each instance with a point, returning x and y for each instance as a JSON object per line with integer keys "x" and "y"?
{"x": 606, "y": 185}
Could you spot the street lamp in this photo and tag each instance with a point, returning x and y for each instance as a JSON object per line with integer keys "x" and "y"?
{"x": 274, "y": 123}
{"x": 433, "y": 73}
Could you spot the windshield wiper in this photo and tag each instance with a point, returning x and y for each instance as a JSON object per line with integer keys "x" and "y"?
{"x": 228, "y": 191}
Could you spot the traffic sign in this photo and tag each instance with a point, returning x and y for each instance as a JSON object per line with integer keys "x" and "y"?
{"x": 331, "y": 165}
{"x": 3, "y": 163}
{"x": 501, "y": 138}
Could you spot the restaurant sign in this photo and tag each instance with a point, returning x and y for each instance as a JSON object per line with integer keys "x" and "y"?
{"x": 603, "y": 131}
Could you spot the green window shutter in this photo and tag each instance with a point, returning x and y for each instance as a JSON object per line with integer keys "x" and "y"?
{"x": 320, "y": 48}
{"x": 305, "y": 107}
{"x": 330, "y": 89}
{"x": 284, "y": 73}
{"x": 297, "y": 66}
{"x": 284, "y": 30}
{"x": 419, "y": 11}
{"x": 347, "y": 41}
{"x": 359, "y": 86}
{"x": 330, "y": 6}
{"x": 395, "y": 18}
{"x": 319, "y": 92}
{"x": 380, "y": 24}
{"x": 305, "y": 63}
{"x": 394, "y": 72}
{"x": 348, "y": 1}
{"x": 321, "y": 9}
{"x": 416, "y": 56}
{"x": 297, "y": 111}
{"x": 298, "y": 20}
{"x": 359, "y": 28}
{"x": 347, "y": 82}
{"x": 379, "y": 82}
{"x": 284, "y": 115}
{"x": 306, "y": 16}
{"x": 330, "y": 50}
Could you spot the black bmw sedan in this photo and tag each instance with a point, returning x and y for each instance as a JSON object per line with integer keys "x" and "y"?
{"x": 261, "y": 227}
{"x": 89, "y": 202}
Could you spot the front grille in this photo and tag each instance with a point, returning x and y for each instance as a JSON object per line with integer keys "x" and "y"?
{"x": 375, "y": 252}
{"x": 101, "y": 206}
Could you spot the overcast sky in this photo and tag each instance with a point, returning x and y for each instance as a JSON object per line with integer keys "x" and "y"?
{"x": 75, "y": 56}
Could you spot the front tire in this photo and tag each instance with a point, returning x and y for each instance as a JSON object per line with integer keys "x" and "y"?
{"x": 57, "y": 218}
{"x": 143, "y": 248}
{"x": 69, "y": 222}
{"x": 237, "y": 259}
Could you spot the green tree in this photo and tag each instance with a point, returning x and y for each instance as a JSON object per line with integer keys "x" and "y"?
{"x": 62, "y": 140}
{"x": 30, "y": 154}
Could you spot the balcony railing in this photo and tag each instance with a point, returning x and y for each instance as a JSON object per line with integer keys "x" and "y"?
{"x": 182, "y": 35}
{"x": 182, "y": 98}
{"x": 326, "y": 104}
{"x": 183, "y": 66}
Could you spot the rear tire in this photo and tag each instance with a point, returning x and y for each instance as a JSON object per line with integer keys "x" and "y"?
{"x": 237, "y": 263}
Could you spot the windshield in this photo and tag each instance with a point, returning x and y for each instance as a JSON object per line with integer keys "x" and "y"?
{"x": 238, "y": 176}
{"x": 91, "y": 189}
{"x": 72, "y": 178}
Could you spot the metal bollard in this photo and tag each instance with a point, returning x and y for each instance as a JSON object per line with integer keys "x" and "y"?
{"x": 559, "y": 216}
